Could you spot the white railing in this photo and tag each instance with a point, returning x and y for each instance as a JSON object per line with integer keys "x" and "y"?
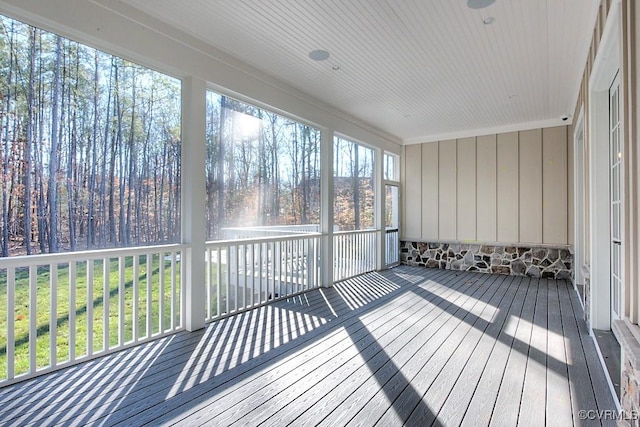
{"x": 242, "y": 274}
{"x": 354, "y": 253}
{"x": 392, "y": 246}
{"x": 60, "y": 309}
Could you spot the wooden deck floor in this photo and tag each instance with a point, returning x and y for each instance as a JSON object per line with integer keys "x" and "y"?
{"x": 409, "y": 346}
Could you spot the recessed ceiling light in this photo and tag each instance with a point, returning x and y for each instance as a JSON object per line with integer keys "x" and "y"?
{"x": 479, "y": 4}
{"x": 488, "y": 20}
{"x": 319, "y": 55}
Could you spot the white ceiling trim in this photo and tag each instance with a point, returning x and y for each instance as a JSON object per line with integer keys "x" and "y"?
{"x": 488, "y": 131}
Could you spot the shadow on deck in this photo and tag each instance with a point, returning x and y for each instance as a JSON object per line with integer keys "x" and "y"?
{"x": 405, "y": 346}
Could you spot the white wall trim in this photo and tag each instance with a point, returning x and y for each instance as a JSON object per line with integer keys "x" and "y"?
{"x": 488, "y": 131}
{"x": 605, "y": 66}
{"x": 578, "y": 198}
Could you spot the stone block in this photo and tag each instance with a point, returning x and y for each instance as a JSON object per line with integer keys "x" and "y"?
{"x": 518, "y": 268}
{"x": 533, "y": 271}
{"x": 539, "y": 253}
{"x": 432, "y": 263}
{"x": 500, "y": 269}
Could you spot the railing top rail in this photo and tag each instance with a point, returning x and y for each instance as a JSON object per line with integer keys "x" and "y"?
{"x": 266, "y": 239}
{"x": 273, "y": 227}
{"x": 64, "y": 257}
{"x": 262, "y": 231}
{"x": 368, "y": 230}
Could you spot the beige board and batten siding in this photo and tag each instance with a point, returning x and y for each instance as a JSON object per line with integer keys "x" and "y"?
{"x": 505, "y": 188}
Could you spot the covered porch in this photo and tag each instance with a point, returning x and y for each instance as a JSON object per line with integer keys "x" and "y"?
{"x": 405, "y": 345}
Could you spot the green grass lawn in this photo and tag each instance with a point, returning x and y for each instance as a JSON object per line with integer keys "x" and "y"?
{"x": 79, "y": 306}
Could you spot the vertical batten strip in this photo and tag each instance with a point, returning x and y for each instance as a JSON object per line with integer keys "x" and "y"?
{"x": 53, "y": 314}
{"x": 11, "y": 307}
{"x": 33, "y": 325}
{"x": 72, "y": 310}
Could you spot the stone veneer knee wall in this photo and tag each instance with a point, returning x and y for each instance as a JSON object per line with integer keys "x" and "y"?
{"x": 533, "y": 261}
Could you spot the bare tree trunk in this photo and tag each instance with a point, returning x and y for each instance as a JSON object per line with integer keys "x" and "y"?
{"x": 103, "y": 175}
{"x": 6, "y": 154}
{"x": 29, "y": 141}
{"x": 91, "y": 222}
{"x": 53, "y": 155}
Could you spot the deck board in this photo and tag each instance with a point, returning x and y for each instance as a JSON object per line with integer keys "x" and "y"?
{"x": 410, "y": 346}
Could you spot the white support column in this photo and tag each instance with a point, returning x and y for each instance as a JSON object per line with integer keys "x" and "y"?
{"x": 379, "y": 212}
{"x": 326, "y": 209}
{"x": 193, "y": 199}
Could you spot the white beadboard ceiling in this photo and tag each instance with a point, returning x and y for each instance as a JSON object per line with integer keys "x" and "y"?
{"x": 421, "y": 70}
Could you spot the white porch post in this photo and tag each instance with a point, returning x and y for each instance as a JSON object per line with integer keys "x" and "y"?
{"x": 379, "y": 213}
{"x": 326, "y": 209}
{"x": 193, "y": 199}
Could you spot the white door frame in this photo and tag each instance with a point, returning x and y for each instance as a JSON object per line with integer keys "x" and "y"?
{"x": 580, "y": 260}
{"x": 605, "y": 68}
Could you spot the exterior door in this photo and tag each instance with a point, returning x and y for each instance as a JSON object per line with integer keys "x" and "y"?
{"x": 616, "y": 196}
{"x": 392, "y": 242}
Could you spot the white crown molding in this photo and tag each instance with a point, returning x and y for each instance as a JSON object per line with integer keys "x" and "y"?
{"x": 488, "y": 131}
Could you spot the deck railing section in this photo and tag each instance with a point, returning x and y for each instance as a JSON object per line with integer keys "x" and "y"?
{"x": 354, "y": 253}
{"x": 242, "y": 274}
{"x": 59, "y": 309}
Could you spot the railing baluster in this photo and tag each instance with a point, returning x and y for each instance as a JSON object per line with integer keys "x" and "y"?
{"x": 281, "y": 268}
{"x": 53, "y": 314}
{"x": 173, "y": 290}
{"x": 275, "y": 256}
{"x": 121, "y": 294}
{"x": 33, "y": 325}
{"x": 228, "y": 284}
{"x": 245, "y": 274}
{"x": 208, "y": 281}
{"x": 90, "y": 266}
{"x": 149, "y": 273}
{"x": 218, "y": 280}
{"x": 106, "y": 288}
{"x": 11, "y": 310}
{"x": 161, "y": 296}
{"x": 72, "y": 311}
{"x": 135, "y": 330}
{"x": 261, "y": 273}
